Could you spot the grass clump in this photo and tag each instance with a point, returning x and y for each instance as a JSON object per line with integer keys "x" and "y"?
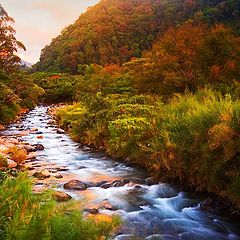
{"x": 25, "y": 215}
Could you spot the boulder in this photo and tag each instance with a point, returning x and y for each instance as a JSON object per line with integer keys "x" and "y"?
{"x": 60, "y": 131}
{"x": 75, "y": 185}
{"x": 39, "y": 147}
{"x": 106, "y": 185}
{"x": 59, "y": 176}
{"x": 108, "y": 206}
{"x": 29, "y": 148}
{"x": 91, "y": 210}
{"x": 2, "y": 128}
{"x": 61, "y": 196}
{"x": 120, "y": 183}
{"x": 150, "y": 181}
{"x": 42, "y": 174}
{"x": 11, "y": 163}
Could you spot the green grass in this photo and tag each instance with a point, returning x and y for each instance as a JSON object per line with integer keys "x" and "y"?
{"x": 25, "y": 215}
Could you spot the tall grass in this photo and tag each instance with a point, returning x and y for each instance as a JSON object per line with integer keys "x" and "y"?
{"x": 192, "y": 139}
{"x": 24, "y": 215}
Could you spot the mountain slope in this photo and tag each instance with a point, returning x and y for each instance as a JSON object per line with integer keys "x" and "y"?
{"x": 114, "y": 31}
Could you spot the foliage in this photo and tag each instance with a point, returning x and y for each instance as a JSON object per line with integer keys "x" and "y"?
{"x": 8, "y": 43}
{"x": 58, "y": 87}
{"x": 189, "y": 57}
{"x": 25, "y": 215}
{"x": 17, "y": 154}
{"x": 17, "y": 91}
{"x": 193, "y": 139}
{"x": 114, "y": 31}
{"x": 16, "y": 88}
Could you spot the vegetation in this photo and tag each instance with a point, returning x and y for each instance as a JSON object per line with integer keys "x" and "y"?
{"x": 25, "y": 215}
{"x": 17, "y": 90}
{"x": 153, "y": 82}
{"x": 175, "y": 112}
{"x": 114, "y": 31}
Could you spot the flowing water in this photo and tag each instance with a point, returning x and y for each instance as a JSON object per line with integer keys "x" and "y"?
{"x": 158, "y": 211}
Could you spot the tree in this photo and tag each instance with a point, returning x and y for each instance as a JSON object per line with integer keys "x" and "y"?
{"x": 8, "y": 43}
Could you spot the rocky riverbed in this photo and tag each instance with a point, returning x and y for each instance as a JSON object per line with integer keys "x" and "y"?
{"x": 149, "y": 209}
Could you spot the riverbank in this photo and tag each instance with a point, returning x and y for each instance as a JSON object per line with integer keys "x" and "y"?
{"x": 191, "y": 141}
{"x": 106, "y": 187}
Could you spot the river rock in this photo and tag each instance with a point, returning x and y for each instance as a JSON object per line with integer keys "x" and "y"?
{"x": 62, "y": 169}
{"x": 11, "y": 163}
{"x": 106, "y": 185}
{"x": 108, "y": 206}
{"x": 60, "y": 131}
{"x": 150, "y": 181}
{"x": 75, "y": 185}
{"x": 59, "y": 176}
{"x": 42, "y": 174}
{"x": 120, "y": 183}
{"x": 61, "y": 196}
{"x": 92, "y": 210}
{"x": 2, "y": 128}
{"x": 39, "y": 147}
{"x": 99, "y": 184}
{"x": 30, "y": 148}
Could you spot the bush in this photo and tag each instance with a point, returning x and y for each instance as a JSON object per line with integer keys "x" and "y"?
{"x": 17, "y": 154}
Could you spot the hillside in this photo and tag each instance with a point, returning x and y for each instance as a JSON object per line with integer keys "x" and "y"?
{"x": 114, "y": 31}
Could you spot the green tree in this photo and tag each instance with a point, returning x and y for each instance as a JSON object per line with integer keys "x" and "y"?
{"x": 8, "y": 43}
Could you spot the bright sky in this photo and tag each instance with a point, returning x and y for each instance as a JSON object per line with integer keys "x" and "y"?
{"x": 38, "y": 21}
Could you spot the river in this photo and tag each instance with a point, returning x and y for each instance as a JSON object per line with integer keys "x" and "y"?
{"x": 158, "y": 211}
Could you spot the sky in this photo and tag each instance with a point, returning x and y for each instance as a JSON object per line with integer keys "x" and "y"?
{"x": 38, "y": 21}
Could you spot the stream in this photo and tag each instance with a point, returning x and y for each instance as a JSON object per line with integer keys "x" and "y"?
{"x": 158, "y": 211}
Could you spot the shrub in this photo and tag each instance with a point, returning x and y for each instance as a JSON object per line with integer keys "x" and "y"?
{"x": 17, "y": 154}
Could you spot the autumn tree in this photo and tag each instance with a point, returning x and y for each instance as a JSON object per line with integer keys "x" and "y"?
{"x": 9, "y": 45}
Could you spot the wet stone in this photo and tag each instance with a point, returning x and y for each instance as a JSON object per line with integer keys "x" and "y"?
{"x": 75, "y": 185}
{"x": 41, "y": 174}
{"x": 59, "y": 176}
{"x": 60, "y": 131}
{"x": 92, "y": 210}
{"x": 39, "y": 147}
{"x": 29, "y": 148}
{"x": 61, "y": 196}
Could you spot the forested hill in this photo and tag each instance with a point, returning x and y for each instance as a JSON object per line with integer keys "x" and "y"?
{"x": 114, "y": 31}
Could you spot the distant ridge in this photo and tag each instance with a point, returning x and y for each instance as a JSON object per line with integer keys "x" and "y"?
{"x": 26, "y": 64}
